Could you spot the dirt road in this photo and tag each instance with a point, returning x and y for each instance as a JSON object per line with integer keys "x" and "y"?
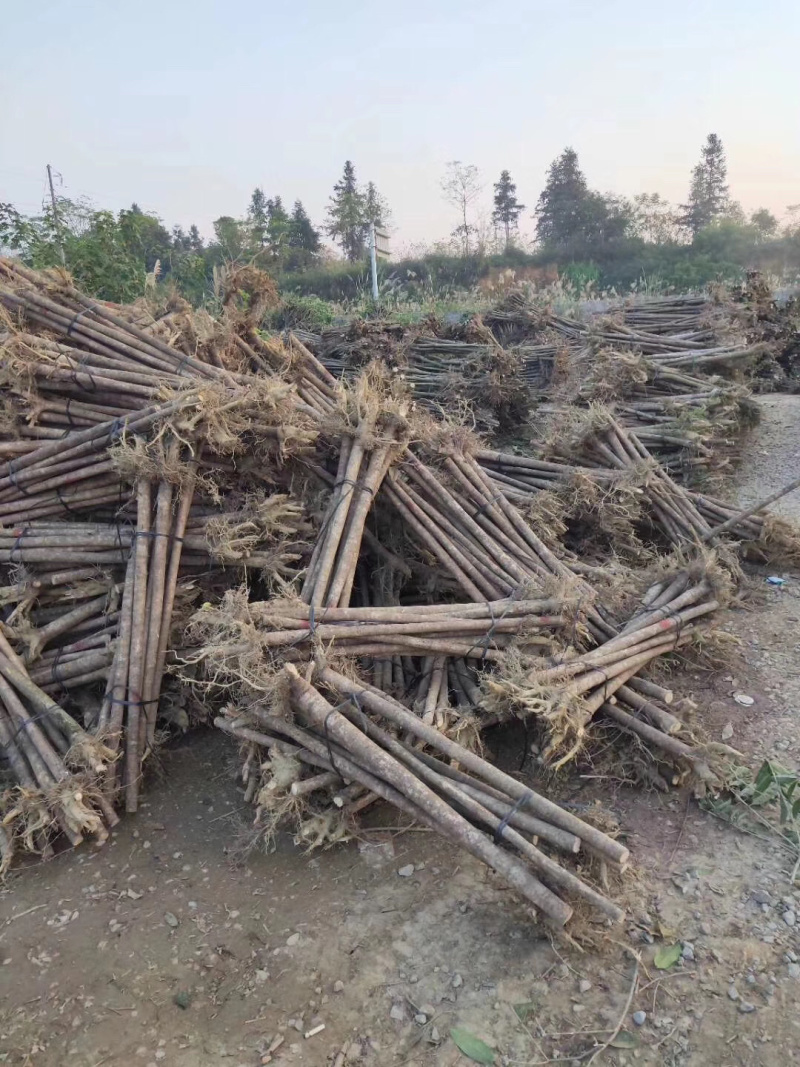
{"x": 157, "y": 951}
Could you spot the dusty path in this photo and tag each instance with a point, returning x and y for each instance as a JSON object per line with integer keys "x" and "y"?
{"x": 157, "y": 951}
{"x": 774, "y": 459}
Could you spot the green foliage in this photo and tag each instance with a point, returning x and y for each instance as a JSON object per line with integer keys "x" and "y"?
{"x": 306, "y": 312}
{"x": 571, "y": 218}
{"x": 507, "y": 209}
{"x": 666, "y": 956}
{"x": 471, "y": 1046}
{"x": 709, "y": 197}
{"x": 347, "y": 215}
{"x": 768, "y": 800}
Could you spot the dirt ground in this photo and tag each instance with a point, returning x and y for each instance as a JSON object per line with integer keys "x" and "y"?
{"x": 158, "y": 950}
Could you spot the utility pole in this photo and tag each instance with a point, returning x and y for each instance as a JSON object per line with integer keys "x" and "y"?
{"x": 55, "y": 216}
{"x": 373, "y": 261}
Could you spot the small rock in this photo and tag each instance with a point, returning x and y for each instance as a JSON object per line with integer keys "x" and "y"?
{"x": 170, "y": 919}
{"x": 790, "y": 918}
{"x": 458, "y": 981}
{"x": 435, "y": 1036}
{"x": 762, "y": 896}
{"x": 338, "y": 986}
{"x": 397, "y": 1013}
{"x": 733, "y": 992}
{"x": 407, "y": 871}
{"x": 420, "y": 1018}
{"x": 428, "y": 1009}
{"x": 687, "y": 952}
{"x": 746, "y": 1006}
{"x": 579, "y": 1008}
{"x": 292, "y": 940}
{"x": 639, "y": 1018}
{"x": 727, "y": 732}
{"x": 584, "y": 985}
{"x": 182, "y": 1000}
{"x": 794, "y": 970}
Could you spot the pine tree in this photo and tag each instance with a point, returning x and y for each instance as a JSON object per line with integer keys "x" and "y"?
{"x": 277, "y": 227}
{"x": 709, "y": 197}
{"x": 346, "y": 214}
{"x": 301, "y": 233}
{"x": 376, "y": 210}
{"x": 561, "y": 209}
{"x": 258, "y": 219}
{"x": 507, "y": 209}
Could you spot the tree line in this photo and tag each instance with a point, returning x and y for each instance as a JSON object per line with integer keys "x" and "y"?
{"x": 593, "y": 235}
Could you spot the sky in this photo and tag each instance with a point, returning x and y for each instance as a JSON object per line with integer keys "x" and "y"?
{"x": 185, "y": 107}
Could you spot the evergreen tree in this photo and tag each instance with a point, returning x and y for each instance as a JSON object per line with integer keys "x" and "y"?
{"x": 561, "y": 209}
{"x": 277, "y": 227}
{"x": 376, "y": 210}
{"x": 346, "y": 214}
{"x": 257, "y": 217}
{"x": 709, "y": 197}
{"x": 301, "y": 233}
{"x": 507, "y": 209}
{"x": 195, "y": 240}
{"x": 180, "y": 240}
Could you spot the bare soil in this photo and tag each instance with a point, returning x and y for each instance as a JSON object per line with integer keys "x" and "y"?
{"x": 159, "y": 949}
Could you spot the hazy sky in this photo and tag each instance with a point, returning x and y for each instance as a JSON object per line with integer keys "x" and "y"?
{"x": 186, "y": 106}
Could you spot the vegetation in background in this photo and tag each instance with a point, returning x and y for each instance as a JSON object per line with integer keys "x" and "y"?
{"x": 507, "y": 209}
{"x": 351, "y": 211}
{"x": 461, "y": 186}
{"x": 595, "y": 241}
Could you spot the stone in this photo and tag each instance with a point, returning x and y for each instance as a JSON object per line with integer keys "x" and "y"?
{"x": 639, "y": 1018}
{"x": 687, "y": 952}
{"x": 398, "y": 1013}
{"x": 762, "y": 896}
{"x": 338, "y": 986}
{"x": 746, "y": 1006}
{"x": 794, "y": 970}
{"x": 407, "y": 871}
{"x": 293, "y": 940}
{"x": 435, "y": 1036}
{"x": 733, "y": 992}
{"x": 420, "y": 1018}
{"x": 170, "y": 919}
{"x": 584, "y": 985}
{"x": 790, "y": 918}
{"x": 458, "y": 981}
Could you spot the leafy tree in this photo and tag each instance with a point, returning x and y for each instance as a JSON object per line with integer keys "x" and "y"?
{"x": 346, "y": 214}
{"x": 507, "y": 209}
{"x": 230, "y": 236}
{"x": 98, "y": 254}
{"x": 145, "y": 236}
{"x": 709, "y": 198}
{"x": 461, "y": 185}
{"x": 653, "y": 219}
{"x": 257, "y": 217}
{"x": 765, "y": 222}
